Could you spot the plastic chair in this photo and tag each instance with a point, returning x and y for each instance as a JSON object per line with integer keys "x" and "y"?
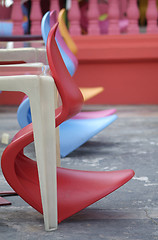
{"x": 40, "y": 89}
{"x": 73, "y": 132}
{"x": 52, "y": 18}
{"x": 70, "y": 60}
{"x": 36, "y": 182}
{"x": 64, "y": 32}
{"x": 81, "y": 130}
{"x": 24, "y": 115}
{"x": 69, "y": 44}
{"x": 45, "y": 28}
{"x": 48, "y": 21}
{"x": 75, "y": 189}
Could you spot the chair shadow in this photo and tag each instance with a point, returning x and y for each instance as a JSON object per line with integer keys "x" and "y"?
{"x": 95, "y": 147}
{"x": 93, "y": 214}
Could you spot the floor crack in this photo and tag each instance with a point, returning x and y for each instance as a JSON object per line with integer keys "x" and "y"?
{"x": 155, "y": 222}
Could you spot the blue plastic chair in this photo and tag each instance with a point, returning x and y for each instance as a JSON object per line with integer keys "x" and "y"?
{"x": 73, "y": 132}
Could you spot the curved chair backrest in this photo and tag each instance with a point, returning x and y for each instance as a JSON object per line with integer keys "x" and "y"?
{"x": 64, "y": 32}
{"x": 60, "y": 40}
{"x": 45, "y": 28}
{"x": 71, "y": 96}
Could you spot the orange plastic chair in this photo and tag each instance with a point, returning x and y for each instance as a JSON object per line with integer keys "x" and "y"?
{"x": 75, "y": 189}
{"x": 65, "y": 34}
{"x": 71, "y": 45}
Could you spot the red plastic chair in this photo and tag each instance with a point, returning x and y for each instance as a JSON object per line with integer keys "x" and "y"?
{"x": 75, "y": 189}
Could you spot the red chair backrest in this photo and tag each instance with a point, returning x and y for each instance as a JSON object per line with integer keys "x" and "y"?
{"x": 72, "y": 99}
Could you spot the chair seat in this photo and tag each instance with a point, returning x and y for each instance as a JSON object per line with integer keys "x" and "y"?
{"x": 94, "y": 114}
{"x": 76, "y": 189}
{"x": 75, "y": 132}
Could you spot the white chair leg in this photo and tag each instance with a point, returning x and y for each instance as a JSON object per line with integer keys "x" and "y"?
{"x": 43, "y": 118}
{"x": 40, "y": 90}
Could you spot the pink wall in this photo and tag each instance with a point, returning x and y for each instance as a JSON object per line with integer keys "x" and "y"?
{"x": 125, "y": 65}
{"x": 5, "y": 13}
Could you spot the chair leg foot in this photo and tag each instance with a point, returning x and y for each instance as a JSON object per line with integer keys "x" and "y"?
{"x": 4, "y": 202}
{"x": 8, "y": 193}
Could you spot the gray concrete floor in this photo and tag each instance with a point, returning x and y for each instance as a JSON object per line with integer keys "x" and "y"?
{"x": 131, "y": 212}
